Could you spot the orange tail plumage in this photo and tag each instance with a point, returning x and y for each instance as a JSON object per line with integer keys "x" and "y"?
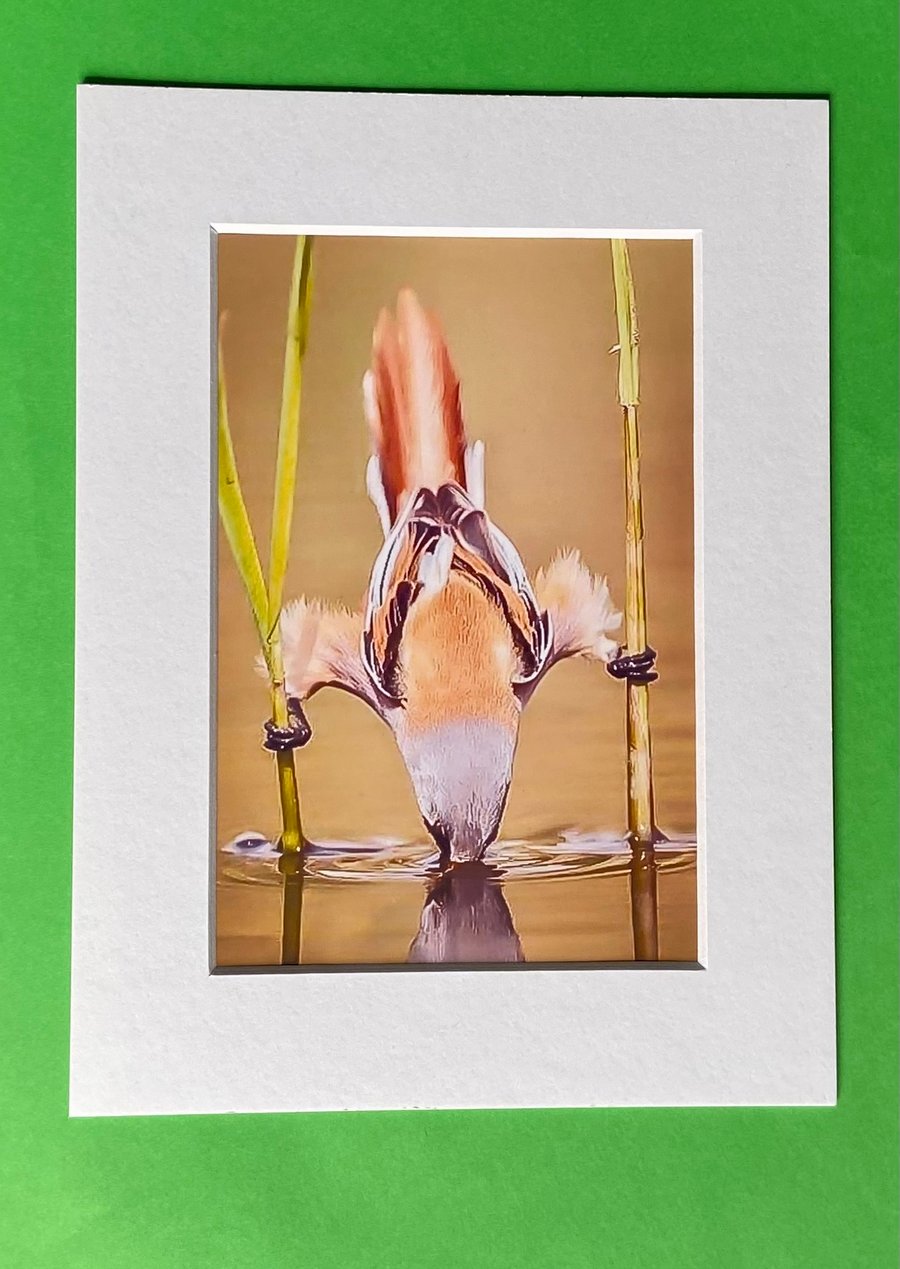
{"x": 413, "y": 409}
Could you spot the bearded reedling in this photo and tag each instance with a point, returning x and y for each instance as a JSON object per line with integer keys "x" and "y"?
{"x": 454, "y": 637}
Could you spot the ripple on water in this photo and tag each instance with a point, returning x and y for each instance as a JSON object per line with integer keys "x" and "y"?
{"x": 253, "y": 858}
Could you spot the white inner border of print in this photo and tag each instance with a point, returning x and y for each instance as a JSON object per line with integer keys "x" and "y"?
{"x": 152, "y": 1030}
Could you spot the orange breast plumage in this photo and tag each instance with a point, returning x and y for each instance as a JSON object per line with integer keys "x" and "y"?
{"x": 457, "y": 657}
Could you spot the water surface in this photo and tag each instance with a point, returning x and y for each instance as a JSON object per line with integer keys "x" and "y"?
{"x": 384, "y": 904}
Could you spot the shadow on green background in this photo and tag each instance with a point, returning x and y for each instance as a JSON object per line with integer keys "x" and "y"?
{"x": 758, "y": 1189}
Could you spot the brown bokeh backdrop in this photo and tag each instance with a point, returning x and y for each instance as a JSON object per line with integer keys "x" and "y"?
{"x": 529, "y": 323}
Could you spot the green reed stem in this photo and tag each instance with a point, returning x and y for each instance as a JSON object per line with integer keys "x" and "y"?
{"x": 641, "y": 803}
{"x": 642, "y": 830}
{"x": 282, "y": 516}
{"x": 266, "y": 601}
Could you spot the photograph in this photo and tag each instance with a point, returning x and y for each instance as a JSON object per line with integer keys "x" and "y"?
{"x": 454, "y": 617}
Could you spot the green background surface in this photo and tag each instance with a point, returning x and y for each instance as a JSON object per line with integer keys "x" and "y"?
{"x": 755, "y": 1188}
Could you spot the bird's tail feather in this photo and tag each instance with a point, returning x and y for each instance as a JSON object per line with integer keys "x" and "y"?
{"x": 412, "y": 406}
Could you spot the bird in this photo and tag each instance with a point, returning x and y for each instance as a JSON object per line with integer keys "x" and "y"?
{"x": 453, "y": 636}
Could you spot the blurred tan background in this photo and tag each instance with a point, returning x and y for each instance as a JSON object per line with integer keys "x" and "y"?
{"x": 529, "y": 323}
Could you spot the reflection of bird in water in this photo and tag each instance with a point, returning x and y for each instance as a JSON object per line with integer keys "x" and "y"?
{"x": 454, "y": 637}
{"x": 466, "y": 919}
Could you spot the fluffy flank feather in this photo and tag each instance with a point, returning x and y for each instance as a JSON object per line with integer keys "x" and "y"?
{"x": 580, "y": 608}
{"x": 320, "y": 646}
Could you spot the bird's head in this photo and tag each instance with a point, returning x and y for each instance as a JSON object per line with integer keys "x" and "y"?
{"x": 460, "y": 771}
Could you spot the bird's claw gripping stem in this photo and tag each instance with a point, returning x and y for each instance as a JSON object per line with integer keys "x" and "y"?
{"x": 295, "y": 735}
{"x": 637, "y": 667}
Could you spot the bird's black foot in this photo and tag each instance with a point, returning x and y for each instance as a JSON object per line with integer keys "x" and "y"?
{"x": 638, "y": 667}
{"x": 294, "y": 736}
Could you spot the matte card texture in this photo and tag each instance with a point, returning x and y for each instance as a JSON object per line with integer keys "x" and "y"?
{"x": 445, "y": 561}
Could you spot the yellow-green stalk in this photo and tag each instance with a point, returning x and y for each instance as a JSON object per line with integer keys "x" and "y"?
{"x": 641, "y": 808}
{"x": 642, "y": 830}
{"x": 265, "y": 601}
{"x": 282, "y": 516}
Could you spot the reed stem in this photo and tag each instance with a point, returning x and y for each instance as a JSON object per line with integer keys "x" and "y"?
{"x": 292, "y": 838}
{"x": 641, "y": 803}
{"x": 266, "y": 600}
{"x": 642, "y": 830}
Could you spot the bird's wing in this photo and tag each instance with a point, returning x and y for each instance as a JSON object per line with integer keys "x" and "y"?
{"x": 439, "y": 532}
{"x": 395, "y": 585}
